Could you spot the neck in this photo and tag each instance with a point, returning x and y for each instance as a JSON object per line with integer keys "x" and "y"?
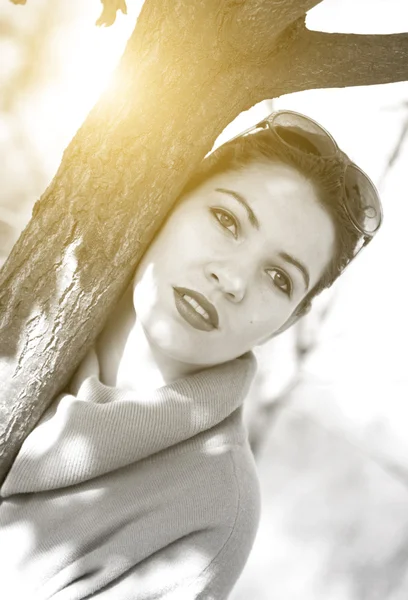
{"x": 128, "y": 360}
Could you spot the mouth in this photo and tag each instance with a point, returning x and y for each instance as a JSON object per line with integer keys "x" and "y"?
{"x": 196, "y": 309}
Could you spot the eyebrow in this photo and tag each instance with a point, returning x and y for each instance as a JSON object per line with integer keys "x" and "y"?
{"x": 296, "y": 263}
{"x": 251, "y": 215}
{"x": 255, "y": 223}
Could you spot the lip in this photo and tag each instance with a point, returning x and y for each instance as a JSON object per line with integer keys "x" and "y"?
{"x": 190, "y": 315}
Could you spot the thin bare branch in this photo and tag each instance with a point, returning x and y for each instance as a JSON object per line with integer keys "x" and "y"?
{"x": 110, "y": 8}
{"x": 396, "y": 152}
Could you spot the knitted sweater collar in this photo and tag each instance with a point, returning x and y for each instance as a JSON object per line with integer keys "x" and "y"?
{"x": 99, "y": 429}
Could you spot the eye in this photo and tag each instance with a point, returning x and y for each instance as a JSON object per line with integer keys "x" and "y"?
{"x": 281, "y": 281}
{"x": 226, "y": 219}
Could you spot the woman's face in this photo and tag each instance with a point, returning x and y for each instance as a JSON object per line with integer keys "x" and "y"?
{"x": 232, "y": 262}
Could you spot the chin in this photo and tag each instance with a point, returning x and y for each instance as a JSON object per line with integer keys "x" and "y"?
{"x": 189, "y": 347}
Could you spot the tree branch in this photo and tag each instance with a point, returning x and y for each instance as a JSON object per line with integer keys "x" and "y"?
{"x": 333, "y": 60}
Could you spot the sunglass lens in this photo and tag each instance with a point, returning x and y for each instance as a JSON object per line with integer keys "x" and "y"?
{"x": 303, "y": 133}
{"x": 362, "y": 200}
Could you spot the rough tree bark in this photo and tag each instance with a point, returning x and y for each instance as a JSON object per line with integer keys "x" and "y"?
{"x": 189, "y": 68}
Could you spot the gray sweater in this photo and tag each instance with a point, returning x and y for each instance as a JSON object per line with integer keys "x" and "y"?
{"x": 121, "y": 498}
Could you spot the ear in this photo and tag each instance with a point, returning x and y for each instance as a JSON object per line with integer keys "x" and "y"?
{"x": 294, "y": 318}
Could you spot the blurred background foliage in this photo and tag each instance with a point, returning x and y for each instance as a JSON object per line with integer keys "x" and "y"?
{"x": 327, "y": 415}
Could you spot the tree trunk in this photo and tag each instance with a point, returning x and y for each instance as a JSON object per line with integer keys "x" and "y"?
{"x": 189, "y": 68}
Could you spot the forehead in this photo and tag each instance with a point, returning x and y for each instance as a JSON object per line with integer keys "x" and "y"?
{"x": 286, "y": 204}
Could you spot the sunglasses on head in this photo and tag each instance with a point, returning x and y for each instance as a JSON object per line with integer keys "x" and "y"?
{"x": 302, "y": 134}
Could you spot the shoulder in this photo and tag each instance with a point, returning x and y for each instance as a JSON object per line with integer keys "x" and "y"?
{"x": 241, "y": 498}
{"x": 222, "y": 464}
{"x": 223, "y": 457}
{"x": 216, "y": 471}
{"x": 228, "y": 493}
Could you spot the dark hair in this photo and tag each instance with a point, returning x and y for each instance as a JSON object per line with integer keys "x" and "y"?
{"x": 326, "y": 174}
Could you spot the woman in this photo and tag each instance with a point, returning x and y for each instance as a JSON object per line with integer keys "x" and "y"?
{"x": 139, "y": 483}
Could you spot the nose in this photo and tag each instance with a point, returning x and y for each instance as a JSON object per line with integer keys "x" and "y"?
{"x": 227, "y": 279}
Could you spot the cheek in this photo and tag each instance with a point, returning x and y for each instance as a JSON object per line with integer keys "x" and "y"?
{"x": 178, "y": 241}
{"x": 265, "y": 317}
{"x": 145, "y": 291}
{"x": 163, "y": 255}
